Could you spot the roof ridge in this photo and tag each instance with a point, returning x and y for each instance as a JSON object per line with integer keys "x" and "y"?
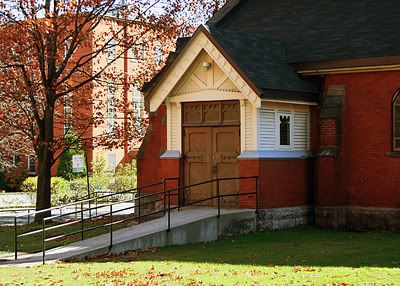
{"x": 223, "y": 12}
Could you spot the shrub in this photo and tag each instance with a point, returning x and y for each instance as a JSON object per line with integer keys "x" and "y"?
{"x": 3, "y": 185}
{"x": 64, "y": 168}
{"x": 61, "y": 192}
{"x": 29, "y": 184}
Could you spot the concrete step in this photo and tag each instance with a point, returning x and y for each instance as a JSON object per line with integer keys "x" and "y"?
{"x": 187, "y": 226}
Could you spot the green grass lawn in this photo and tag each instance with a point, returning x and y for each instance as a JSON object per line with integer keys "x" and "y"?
{"x": 305, "y": 256}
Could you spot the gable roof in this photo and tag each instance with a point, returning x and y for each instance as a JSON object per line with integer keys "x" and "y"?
{"x": 264, "y": 68}
{"x": 315, "y": 30}
{"x": 262, "y": 60}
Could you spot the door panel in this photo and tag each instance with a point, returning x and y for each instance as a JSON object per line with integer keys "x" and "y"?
{"x": 226, "y": 149}
{"x": 211, "y": 153}
{"x": 197, "y": 166}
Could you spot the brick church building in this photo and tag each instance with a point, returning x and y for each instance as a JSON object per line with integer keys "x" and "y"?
{"x": 302, "y": 94}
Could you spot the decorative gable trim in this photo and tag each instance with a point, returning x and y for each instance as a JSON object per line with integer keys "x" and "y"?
{"x": 202, "y": 40}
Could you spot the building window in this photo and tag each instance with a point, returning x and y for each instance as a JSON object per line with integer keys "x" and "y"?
{"x": 111, "y": 50}
{"x": 111, "y": 162}
{"x": 158, "y": 52}
{"x": 16, "y": 160}
{"x": 111, "y": 108}
{"x": 284, "y": 130}
{"x": 396, "y": 122}
{"x": 137, "y": 52}
{"x": 137, "y": 104}
{"x": 285, "y": 127}
{"x": 31, "y": 164}
{"x": 67, "y": 113}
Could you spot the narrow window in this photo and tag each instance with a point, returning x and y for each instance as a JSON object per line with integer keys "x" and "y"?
{"x": 141, "y": 51}
{"x": 137, "y": 105}
{"x": 396, "y": 122}
{"x": 111, "y": 50}
{"x": 67, "y": 113}
{"x": 158, "y": 54}
{"x": 111, "y": 162}
{"x": 31, "y": 164}
{"x": 137, "y": 52}
{"x": 16, "y": 160}
{"x": 284, "y": 130}
{"x": 111, "y": 108}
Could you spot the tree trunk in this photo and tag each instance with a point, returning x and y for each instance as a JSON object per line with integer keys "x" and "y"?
{"x": 45, "y": 161}
{"x": 43, "y": 196}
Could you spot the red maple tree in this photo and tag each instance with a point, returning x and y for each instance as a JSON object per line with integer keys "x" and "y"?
{"x": 53, "y": 50}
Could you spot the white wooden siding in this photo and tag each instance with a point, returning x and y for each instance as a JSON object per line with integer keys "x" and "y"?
{"x": 267, "y": 130}
{"x": 300, "y": 131}
{"x": 174, "y": 127}
{"x": 249, "y": 139}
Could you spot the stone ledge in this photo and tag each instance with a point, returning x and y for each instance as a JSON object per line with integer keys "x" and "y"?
{"x": 283, "y": 218}
{"x": 358, "y": 218}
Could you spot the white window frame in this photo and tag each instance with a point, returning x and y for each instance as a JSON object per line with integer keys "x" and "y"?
{"x": 14, "y": 159}
{"x": 158, "y": 54}
{"x": 67, "y": 113}
{"x": 137, "y": 103}
{"x": 111, "y": 112}
{"x": 30, "y": 157}
{"x": 111, "y": 50}
{"x": 111, "y": 167}
{"x": 278, "y": 145}
{"x": 137, "y": 52}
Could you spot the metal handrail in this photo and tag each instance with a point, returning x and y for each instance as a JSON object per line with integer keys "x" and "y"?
{"x": 164, "y": 195}
{"x": 93, "y": 199}
{"x": 76, "y": 203}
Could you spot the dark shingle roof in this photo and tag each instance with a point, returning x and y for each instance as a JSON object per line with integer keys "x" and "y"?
{"x": 262, "y": 60}
{"x": 315, "y": 30}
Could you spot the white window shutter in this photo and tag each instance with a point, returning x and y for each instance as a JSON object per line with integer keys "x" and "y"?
{"x": 267, "y": 129}
{"x": 301, "y": 131}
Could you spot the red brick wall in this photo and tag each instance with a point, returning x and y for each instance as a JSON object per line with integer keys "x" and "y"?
{"x": 365, "y": 175}
{"x": 328, "y": 132}
{"x": 283, "y": 183}
{"x": 151, "y": 168}
{"x": 148, "y": 160}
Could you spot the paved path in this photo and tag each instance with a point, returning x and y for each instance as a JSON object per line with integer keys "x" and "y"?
{"x": 7, "y": 218}
{"x": 146, "y": 231}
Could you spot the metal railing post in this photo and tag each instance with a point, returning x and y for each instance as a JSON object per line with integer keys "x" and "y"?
{"x": 111, "y": 227}
{"x": 219, "y": 199}
{"x": 96, "y": 205}
{"x": 15, "y": 239}
{"x": 90, "y": 210}
{"x": 169, "y": 211}
{"x": 165, "y": 197}
{"x": 29, "y": 216}
{"x": 81, "y": 221}
{"x": 139, "y": 212}
{"x": 43, "y": 241}
{"x": 257, "y": 196}
{"x": 179, "y": 196}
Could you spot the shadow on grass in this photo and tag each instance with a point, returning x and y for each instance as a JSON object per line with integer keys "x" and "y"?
{"x": 302, "y": 246}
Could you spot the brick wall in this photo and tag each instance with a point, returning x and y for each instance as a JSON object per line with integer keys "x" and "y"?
{"x": 362, "y": 173}
{"x": 283, "y": 183}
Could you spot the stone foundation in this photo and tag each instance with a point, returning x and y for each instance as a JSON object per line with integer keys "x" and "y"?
{"x": 283, "y": 218}
{"x": 358, "y": 218}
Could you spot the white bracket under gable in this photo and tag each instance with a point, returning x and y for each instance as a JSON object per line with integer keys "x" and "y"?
{"x": 200, "y": 42}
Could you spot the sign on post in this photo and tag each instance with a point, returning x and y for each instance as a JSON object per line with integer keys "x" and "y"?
{"x": 77, "y": 163}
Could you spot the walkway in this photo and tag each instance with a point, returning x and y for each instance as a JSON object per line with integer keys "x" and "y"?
{"x": 187, "y": 226}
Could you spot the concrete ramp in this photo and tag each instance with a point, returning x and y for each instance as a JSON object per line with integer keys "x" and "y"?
{"x": 187, "y": 226}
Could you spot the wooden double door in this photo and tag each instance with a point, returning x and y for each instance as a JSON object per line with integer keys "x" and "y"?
{"x": 211, "y": 153}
